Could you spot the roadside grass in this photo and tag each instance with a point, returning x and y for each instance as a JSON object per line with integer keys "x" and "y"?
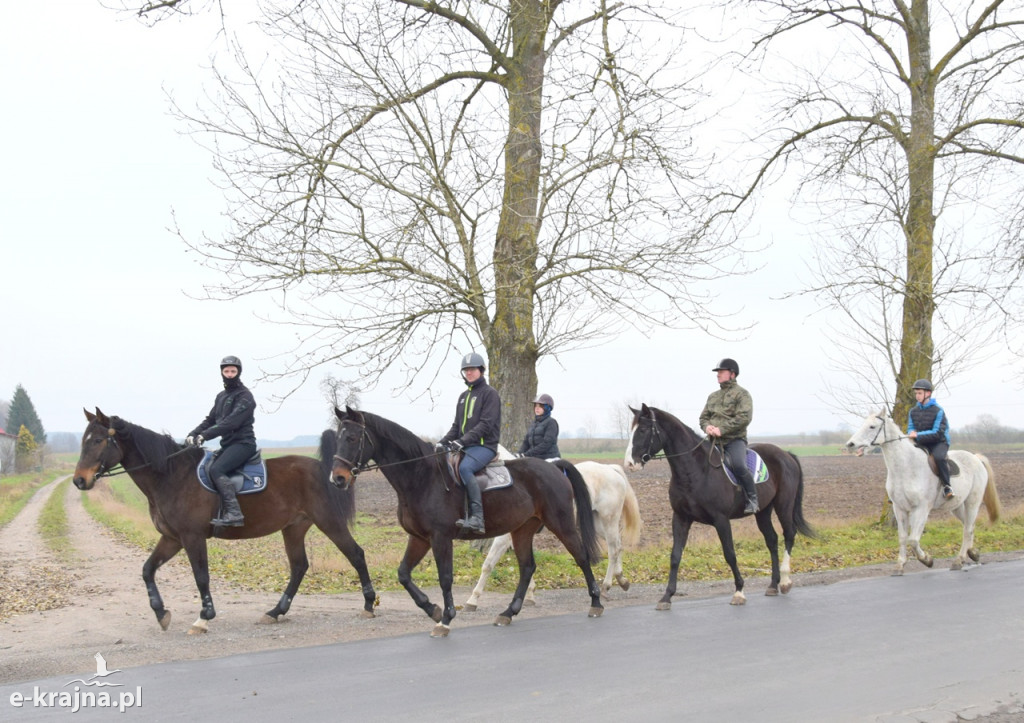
{"x": 53, "y": 523}
{"x": 16, "y": 490}
{"x": 261, "y": 564}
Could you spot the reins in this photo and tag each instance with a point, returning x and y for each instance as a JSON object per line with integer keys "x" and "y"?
{"x": 356, "y": 467}
{"x": 114, "y": 471}
{"x": 664, "y": 455}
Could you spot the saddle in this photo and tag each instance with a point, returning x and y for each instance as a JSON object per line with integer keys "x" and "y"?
{"x": 492, "y": 477}
{"x": 758, "y": 469}
{"x": 252, "y": 477}
{"x": 954, "y": 468}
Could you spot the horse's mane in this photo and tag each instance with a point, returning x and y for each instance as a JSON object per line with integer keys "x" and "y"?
{"x": 156, "y": 448}
{"x": 407, "y": 443}
{"x": 661, "y": 416}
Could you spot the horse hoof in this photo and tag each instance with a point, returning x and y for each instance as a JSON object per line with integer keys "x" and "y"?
{"x": 266, "y": 620}
{"x": 624, "y": 584}
{"x": 435, "y": 614}
{"x": 440, "y": 631}
{"x": 369, "y": 614}
{"x": 771, "y": 592}
{"x": 595, "y": 612}
{"x": 198, "y": 629}
{"x": 956, "y": 565}
{"x": 529, "y": 603}
{"x": 469, "y": 608}
{"x": 974, "y": 554}
{"x": 738, "y": 598}
{"x": 664, "y": 606}
{"x": 785, "y": 587}
{"x": 928, "y": 561}
{"x": 502, "y": 621}
{"x": 165, "y": 620}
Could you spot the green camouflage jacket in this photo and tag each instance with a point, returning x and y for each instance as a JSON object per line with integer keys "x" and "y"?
{"x": 730, "y": 409}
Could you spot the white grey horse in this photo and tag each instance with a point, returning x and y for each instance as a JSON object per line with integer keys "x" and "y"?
{"x": 915, "y": 490}
{"x": 614, "y": 504}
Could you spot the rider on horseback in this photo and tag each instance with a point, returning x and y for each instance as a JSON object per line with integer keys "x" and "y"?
{"x": 231, "y": 419}
{"x": 928, "y": 426}
{"x": 541, "y": 438}
{"x": 726, "y": 416}
{"x": 475, "y": 434}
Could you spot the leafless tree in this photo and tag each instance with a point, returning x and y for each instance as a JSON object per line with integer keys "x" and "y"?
{"x": 414, "y": 178}
{"x": 906, "y": 126}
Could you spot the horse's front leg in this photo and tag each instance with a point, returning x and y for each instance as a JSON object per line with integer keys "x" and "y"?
{"x": 195, "y": 548}
{"x": 498, "y": 547}
{"x": 723, "y": 527}
{"x": 680, "y": 533}
{"x": 165, "y": 549}
{"x": 902, "y": 524}
{"x": 918, "y": 519}
{"x": 415, "y": 550}
{"x": 445, "y": 576}
{"x": 771, "y": 541}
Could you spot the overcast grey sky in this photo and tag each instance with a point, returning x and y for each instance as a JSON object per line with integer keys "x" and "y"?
{"x": 94, "y": 288}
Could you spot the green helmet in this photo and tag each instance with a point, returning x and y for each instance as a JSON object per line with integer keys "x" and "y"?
{"x": 922, "y": 384}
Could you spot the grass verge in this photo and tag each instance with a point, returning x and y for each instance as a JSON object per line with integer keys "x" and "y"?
{"x": 53, "y": 523}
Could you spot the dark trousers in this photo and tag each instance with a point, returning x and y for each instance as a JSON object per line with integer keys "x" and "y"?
{"x": 231, "y": 459}
{"x": 736, "y": 460}
{"x": 938, "y": 451}
{"x": 474, "y": 459}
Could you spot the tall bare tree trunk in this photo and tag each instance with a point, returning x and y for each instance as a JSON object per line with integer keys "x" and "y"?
{"x": 512, "y": 342}
{"x": 917, "y": 346}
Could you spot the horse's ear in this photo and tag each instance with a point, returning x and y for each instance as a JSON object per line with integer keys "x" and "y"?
{"x": 89, "y": 416}
{"x": 636, "y": 412}
{"x": 646, "y": 411}
{"x": 102, "y": 418}
{"x": 339, "y": 414}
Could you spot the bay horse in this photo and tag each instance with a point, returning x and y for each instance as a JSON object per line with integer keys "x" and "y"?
{"x": 915, "y": 490}
{"x": 700, "y": 491}
{"x": 616, "y": 519}
{"x": 429, "y": 503}
{"x": 297, "y": 496}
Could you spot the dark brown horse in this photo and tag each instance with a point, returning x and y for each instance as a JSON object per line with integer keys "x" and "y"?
{"x": 429, "y": 502}
{"x": 699, "y": 491}
{"x": 297, "y": 496}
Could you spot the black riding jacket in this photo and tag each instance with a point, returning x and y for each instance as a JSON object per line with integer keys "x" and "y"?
{"x": 477, "y": 417}
{"x": 541, "y": 438}
{"x": 232, "y": 417}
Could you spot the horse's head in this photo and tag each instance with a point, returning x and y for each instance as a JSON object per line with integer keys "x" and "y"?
{"x": 871, "y": 432}
{"x": 100, "y": 449}
{"x": 645, "y": 438}
{"x": 354, "y": 447}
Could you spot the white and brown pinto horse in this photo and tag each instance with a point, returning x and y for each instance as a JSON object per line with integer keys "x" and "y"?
{"x": 616, "y": 517}
{"x": 915, "y": 490}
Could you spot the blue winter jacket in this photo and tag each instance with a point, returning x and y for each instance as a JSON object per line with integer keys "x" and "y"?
{"x": 929, "y": 421}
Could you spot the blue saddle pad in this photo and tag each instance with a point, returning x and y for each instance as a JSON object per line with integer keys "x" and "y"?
{"x": 756, "y": 466}
{"x": 253, "y": 475}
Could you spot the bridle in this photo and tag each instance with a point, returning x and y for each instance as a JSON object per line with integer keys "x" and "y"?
{"x": 656, "y": 433}
{"x": 881, "y": 430}
{"x": 105, "y": 470}
{"x": 364, "y": 437}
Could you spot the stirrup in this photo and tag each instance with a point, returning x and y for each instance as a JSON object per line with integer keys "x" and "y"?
{"x": 471, "y": 524}
{"x": 751, "y": 508}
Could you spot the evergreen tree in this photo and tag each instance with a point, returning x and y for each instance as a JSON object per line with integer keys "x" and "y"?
{"x": 25, "y": 454}
{"x": 22, "y": 413}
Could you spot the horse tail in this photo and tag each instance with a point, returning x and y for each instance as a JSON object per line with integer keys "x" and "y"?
{"x": 632, "y": 523}
{"x": 342, "y": 501}
{"x": 991, "y": 498}
{"x": 584, "y": 510}
{"x": 802, "y": 526}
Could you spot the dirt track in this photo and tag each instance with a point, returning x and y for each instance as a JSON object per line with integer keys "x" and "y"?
{"x": 57, "y": 616}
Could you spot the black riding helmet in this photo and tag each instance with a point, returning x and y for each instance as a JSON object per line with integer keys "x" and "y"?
{"x": 729, "y": 365}
{"x": 923, "y": 384}
{"x": 231, "y": 361}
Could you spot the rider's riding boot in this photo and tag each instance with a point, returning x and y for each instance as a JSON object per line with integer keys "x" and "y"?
{"x": 947, "y": 492}
{"x": 943, "y": 466}
{"x": 231, "y": 513}
{"x": 475, "y": 521}
{"x": 747, "y": 483}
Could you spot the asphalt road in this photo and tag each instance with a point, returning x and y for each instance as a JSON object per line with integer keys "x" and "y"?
{"x": 932, "y": 646}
